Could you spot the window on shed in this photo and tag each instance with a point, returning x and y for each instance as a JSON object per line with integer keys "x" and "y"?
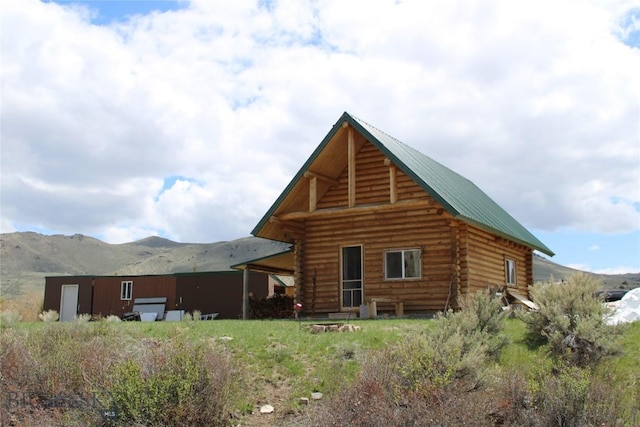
{"x": 402, "y": 264}
{"x": 126, "y": 288}
{"x": 510, "y": 271}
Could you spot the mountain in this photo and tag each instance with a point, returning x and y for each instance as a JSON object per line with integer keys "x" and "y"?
{"x": 544, "y": 269}
{"x": 27, "y": 257}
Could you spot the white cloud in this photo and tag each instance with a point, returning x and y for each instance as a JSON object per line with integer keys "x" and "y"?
{"x": 124, "y": 233}
{"x": 536, "y": 102}
{"x": 617, "y": 270}
{"x": 621, "y": 269}
{"x": 6, "y": 226}
{"x": 580, "y": 266}
{"x": 594, "y": 248}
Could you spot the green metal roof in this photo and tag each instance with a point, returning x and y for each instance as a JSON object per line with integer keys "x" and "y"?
{"x": 457, "y": 195}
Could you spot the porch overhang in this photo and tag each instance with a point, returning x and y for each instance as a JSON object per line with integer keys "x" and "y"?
{"x": 280, "y": 263}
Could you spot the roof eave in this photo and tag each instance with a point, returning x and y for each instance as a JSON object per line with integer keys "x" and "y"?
{"x": 533, "y": 243}
{"x": 256, "y": 230}
{"x": 258, "y": 264}
{"x": 539, "y": 246}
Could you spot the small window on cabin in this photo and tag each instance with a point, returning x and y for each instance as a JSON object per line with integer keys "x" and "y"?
{"x": 126, "y": 287}
{"x": 510, "y": 271}
{"x": 403, "y": 264}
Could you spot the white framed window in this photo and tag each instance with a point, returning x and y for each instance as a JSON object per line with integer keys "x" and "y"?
{"x": 510, "y": 272}
{"x": 126, "y": 289}
{"x": 402, "y": 264}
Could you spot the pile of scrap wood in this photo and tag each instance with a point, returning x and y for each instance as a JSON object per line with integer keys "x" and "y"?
{"x": 511, "y": 299}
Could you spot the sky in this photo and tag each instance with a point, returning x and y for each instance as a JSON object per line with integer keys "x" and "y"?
{"x": 127, "y": 119}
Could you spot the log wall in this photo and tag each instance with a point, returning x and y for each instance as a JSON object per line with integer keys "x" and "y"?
{"x": 457, "y": 258}
{"x": 378, "y": 231}
{"x": 372, "y": 183}
{"x": 486, "y": 261}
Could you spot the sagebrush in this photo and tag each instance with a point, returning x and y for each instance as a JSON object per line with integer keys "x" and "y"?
{"x": 70, "y": 373}
{"x": 448, "y": 376}
{"x": 571, "y": 321}
{"x": 428, "y": 378}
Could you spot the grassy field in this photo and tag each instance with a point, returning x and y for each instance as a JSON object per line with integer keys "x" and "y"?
{"x": 281, "y": 359}
{"x": 278, "y": 362}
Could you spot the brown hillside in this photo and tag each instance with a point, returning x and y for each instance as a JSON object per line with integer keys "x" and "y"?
{"x": 27, "y": 257}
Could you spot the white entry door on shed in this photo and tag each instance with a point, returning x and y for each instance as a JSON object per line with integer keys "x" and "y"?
{"x": 69, "y": 303}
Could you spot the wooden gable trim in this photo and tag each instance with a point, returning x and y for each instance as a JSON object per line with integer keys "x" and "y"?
{"x": 313, "y": 178}
{"x": 328, "y": 180}
{"x": 393, "y": 181}
{"x": 313, "y": 193}
{"x": 415, "y": 203}
{"x": 351, "y": 165}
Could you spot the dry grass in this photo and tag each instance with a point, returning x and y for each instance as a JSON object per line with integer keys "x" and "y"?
{"x": 49, "y": 370}
{"x": 69, "y": 374}
{"x": 570, "y": 397}
{"x": 27, "y": 306}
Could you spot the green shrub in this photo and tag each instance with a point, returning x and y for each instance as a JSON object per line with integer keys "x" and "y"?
{"x": 177, "y": 382}
{"x": 565, "y": 396}
{"x": 571, "y": 321}
{"x": 548, "y": 396}
{"x": 458, "y": 346}
{"x": 46, "y": 372}
{"x": 382, "y": 396}
{"x": 376, "y": 398}
{"x": 482, "y": 322}
{"x": 67, "y": 373}
{"x": 431, "y": 378}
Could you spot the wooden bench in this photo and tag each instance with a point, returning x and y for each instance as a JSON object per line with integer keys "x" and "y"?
{"x": 372, "y": 305}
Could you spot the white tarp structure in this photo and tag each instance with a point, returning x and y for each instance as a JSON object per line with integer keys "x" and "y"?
{"x": 627, "y": 309}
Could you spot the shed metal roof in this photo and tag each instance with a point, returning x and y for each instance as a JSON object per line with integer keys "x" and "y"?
{"x": 457, "y": 195}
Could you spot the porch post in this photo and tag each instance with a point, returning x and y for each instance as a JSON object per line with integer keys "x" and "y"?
{"x": 245, "y": 294}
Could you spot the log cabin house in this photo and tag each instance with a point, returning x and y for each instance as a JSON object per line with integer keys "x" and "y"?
{"x": 373, "y": 220}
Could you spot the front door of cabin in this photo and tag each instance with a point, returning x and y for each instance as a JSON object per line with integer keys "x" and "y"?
{"x": 69, "y": 303}
{"x": 352, "y": 285}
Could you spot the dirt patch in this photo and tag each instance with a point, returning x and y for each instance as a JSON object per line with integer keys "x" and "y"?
{"x": 276, "y": 394}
